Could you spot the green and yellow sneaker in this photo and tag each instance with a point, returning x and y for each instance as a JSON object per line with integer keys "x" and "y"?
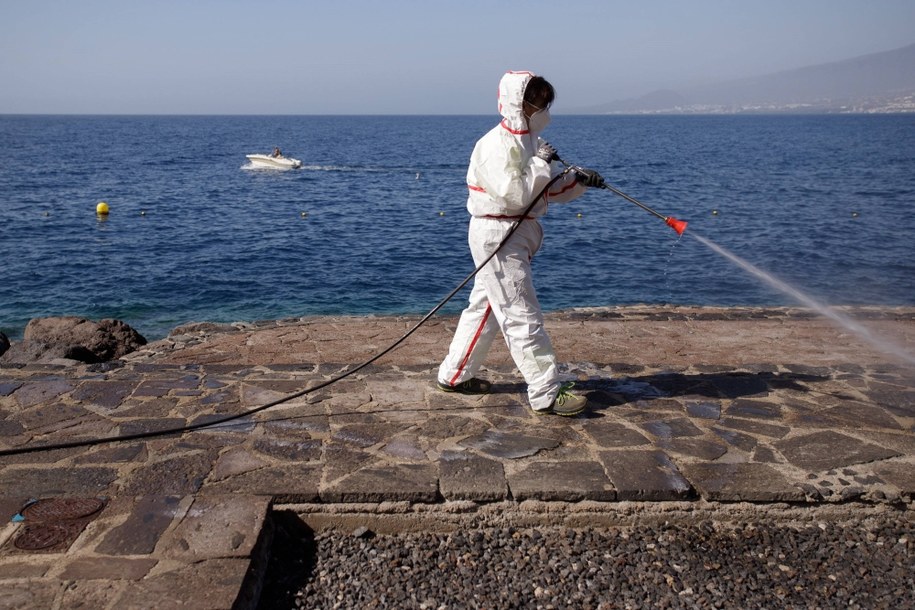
{"x": 566, "y": 403}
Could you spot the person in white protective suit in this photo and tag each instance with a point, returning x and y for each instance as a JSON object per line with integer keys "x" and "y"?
{"x": 509, "y": 166}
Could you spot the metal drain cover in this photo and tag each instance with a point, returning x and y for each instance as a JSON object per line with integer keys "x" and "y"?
{"x": 62, "y": 509}
{"x": 48, "y": 536}
{"x": 53, "y": 524}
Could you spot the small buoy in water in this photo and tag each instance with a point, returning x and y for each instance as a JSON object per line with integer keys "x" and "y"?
{"x": 101, "y": 208}
{"x": 854, "y": 214}
{"x": 417, "y": 175}
{"x": 714, "y": 212}
{"x": 304, "y": 214}
{"x": 578, "y": 215}
{"x": 441, "y": 213}
{"x": 47, "y": 213}
{"x": 142, "y": 212}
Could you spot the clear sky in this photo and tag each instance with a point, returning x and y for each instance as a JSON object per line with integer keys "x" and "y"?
{"x": 407, "y": 56}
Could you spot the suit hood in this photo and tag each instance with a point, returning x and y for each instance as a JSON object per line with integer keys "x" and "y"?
{"x": 511, "y": 98}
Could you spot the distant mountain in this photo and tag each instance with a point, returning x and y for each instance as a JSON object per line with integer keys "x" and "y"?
{"x": 879, "y": 82}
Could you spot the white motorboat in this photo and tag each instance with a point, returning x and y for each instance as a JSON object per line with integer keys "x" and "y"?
{"x": 274, "y": 162}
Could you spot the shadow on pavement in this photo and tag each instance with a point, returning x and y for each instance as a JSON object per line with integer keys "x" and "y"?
{"x": 292, "y": 560}
{"x": 605, "y": 393}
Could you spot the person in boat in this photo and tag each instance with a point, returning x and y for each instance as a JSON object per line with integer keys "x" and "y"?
{"x": 276, "y": 152}
{"x": 509, "y": 166}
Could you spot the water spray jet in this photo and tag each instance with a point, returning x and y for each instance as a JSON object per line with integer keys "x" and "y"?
{"x": 886, "y": 346}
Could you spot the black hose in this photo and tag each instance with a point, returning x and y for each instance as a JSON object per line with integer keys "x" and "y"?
{"x": 191, "y": 427}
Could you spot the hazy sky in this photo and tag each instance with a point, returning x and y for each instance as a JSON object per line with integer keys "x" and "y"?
{"x": 407, "y": 56}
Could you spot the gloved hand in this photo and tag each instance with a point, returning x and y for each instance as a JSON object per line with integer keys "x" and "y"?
{"x": 547, "y": 152}
{"x": 589, "y": 177}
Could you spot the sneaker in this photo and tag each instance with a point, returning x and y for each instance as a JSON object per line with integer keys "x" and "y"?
{"x": 471, "y": 386}
{"x": 566, "y": 403}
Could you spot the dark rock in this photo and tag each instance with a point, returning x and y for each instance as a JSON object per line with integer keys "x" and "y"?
{"x": 203, "y": 328}
{"x": 396, "y": 482}
{"x": 74, "y": 338}
{"x": 4, "y": 343}
{"x": 466, "y": 476}
{"x": 138, "y": 535}
{"x": 824, "y": 450}
{"x": 644, "y": 475}
{"x": 562, "y": 481}
{"x": 741, "y": 483}
{"x": 508, "y": 445}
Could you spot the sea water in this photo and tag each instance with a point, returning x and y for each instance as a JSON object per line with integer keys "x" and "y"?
{"x": 375, "y": 220}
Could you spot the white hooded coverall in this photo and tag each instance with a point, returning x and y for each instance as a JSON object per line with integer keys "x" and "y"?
{"x": 503, "y": 178}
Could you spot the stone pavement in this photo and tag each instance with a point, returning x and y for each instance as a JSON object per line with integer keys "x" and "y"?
{"x": 691, "y": 406}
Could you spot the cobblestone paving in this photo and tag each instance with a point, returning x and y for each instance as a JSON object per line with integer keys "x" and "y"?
{"x": 730, "y": 405}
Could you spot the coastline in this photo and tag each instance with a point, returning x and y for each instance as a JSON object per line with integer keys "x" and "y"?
{"x": 645, "y": 333}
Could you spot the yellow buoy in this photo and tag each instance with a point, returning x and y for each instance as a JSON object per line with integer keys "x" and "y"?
{"x": 579, "y": 215}
{"x": 101, "y": 208}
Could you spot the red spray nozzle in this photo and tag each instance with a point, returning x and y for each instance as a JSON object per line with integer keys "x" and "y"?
{"x": 677, "y": 225}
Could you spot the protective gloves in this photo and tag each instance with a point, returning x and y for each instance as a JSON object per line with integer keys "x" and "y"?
{"x": 547, "y": 152}
{"x": 588, "y": 177}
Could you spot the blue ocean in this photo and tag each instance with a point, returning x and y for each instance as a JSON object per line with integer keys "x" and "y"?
{"x": 374, "y": 222}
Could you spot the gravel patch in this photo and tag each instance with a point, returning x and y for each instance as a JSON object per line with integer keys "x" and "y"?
{"x": 704, "y": 565}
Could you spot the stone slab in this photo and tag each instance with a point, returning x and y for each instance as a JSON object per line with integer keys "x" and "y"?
{"x": 645, "y": 475}
{"x": 41, "y": 392}
{"x": 148, "y": 518}
{"x": 758, "y": 409}
{"x": 176, "y": 476}
{"x": 217, "y": 526}
{"x": 44, "y": 482}
{"x": 508, "y": 445}
{"x": 901, "y": 475}
{"x": 672, "y": 428}
{"x": 698, "y": 448}
{"x": 101, "y": 568}
{"x": 611, "y": 435}
{"x": 91, "y": 593}
{"x": 465, "y": 476}
{"x": 211, "y": 584}
{"x": 741, "y": 483}
{"x": 827, "y": 450}
{"x": 32, "y": 593}
{"x": 561, "y": 481}
{"x": 108, "y": 394}
{"x": 754, "y": 427}
{"x": 288, "y": 483}
{"x": 390, "y": 482}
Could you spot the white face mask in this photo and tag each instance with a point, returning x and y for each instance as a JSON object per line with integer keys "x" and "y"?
{"x": 539, "y": 120}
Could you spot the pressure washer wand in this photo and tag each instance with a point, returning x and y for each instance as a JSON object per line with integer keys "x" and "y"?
{"x": 677, "y": 225}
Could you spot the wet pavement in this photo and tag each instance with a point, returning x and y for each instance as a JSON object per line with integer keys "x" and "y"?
{"x": 691, "y": 409}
